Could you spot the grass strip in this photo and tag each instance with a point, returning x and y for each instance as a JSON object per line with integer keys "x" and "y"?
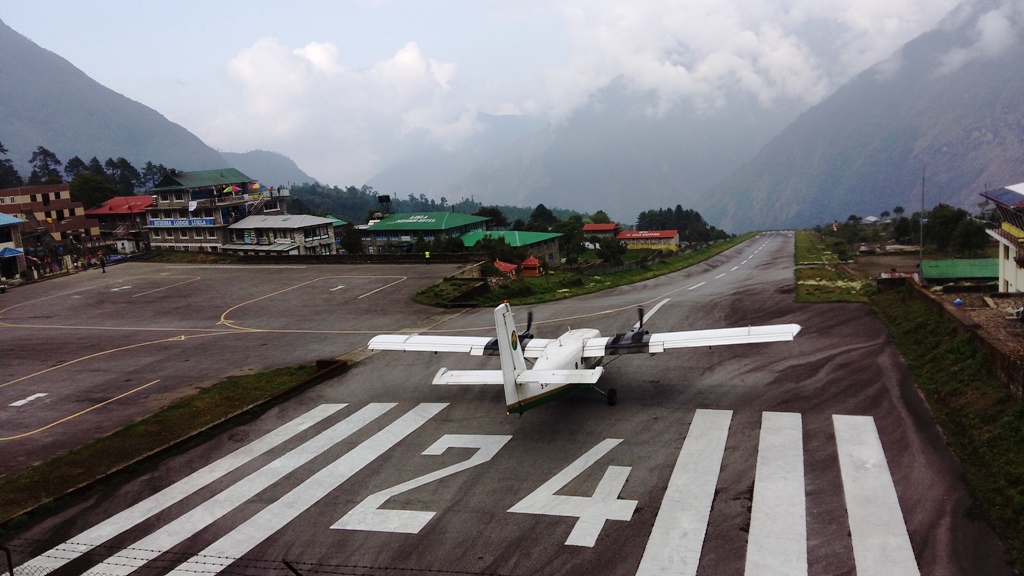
{"x": 818, "y": 277}
{"x": 64, "y": 474}
{"x": 825, "y": 284}
{"x": 982, "y": 422}
{"x": 564, "y": 283}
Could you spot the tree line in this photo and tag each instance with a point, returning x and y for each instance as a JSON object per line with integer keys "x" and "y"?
{"x": 945, "y": 229}
{"x": 90, "y": 182}
{"x": 360, "y": 205}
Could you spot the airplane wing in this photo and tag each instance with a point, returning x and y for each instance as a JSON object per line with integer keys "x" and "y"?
{"x": 445, "y": 376}
{"x": 473, "y": 345}
{"x": 643, "y": 343}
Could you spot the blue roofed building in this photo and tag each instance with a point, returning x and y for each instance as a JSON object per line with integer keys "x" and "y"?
{"x": 12, "y": 257}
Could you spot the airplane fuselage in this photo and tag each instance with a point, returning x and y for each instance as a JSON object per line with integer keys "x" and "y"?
{"x": 566, "y": 351}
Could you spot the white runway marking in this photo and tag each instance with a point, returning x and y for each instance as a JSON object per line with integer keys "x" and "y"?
{"x": 880, "y": 541}
{"x": 368, "y": 514}
{"x": 678, "y": 535}
{"x": 185, "y": 526}
{"x": 20, "y": 403}
{"x": 97, "y": 535}
{"x": 720, "y": 275}
{"x": 120, "y": 288}
{"x": 696, "y": 286}
{"x": 650, "y": 313}
{"x": 243, "y": 539}
{"x": 592, "y": 511}
{"x": 777, "y": 545}
{"x": 337, "y": 288}
{"x": 734, "y": 268}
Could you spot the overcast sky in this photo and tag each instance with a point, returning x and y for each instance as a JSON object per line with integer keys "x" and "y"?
{"x": 338, "y": 85}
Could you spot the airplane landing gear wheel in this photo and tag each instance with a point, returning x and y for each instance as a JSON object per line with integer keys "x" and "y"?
{"x": 613, "y": 397}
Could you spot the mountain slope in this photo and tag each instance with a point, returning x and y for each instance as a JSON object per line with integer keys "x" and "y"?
{"x": 269, "y": 168}
{"x": 48, "y": 102}
{"x": 612, "y": 155}
{"x": 862, "y": 150}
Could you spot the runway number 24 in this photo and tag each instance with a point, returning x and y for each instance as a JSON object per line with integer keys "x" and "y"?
{"x": 591, "y": 511}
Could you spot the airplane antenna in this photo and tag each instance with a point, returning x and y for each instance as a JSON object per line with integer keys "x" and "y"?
{"x": 640, "y": 314}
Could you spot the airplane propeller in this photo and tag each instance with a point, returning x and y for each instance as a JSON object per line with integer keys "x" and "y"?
{"x": 526, "y": 334}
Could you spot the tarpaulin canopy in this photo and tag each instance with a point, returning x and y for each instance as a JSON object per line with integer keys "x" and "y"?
{"x": 10, "y": 252}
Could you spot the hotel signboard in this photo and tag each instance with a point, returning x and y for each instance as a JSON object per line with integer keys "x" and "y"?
{"x": 173, "y": 222}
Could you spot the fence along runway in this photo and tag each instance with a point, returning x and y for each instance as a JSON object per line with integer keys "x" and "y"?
{"x": 777, "y": 541}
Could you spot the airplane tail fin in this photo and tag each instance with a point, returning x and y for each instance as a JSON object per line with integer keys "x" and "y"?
{"x": 510, "y": 349}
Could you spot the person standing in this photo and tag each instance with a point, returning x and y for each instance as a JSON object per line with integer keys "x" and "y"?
{"x": 103, "y": 263}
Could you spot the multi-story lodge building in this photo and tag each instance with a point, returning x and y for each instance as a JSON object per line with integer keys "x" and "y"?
{"x": 192, "y": 210}
{"x": 289, "y": 234}
{"x": 50, "y": 216}
{"x": 122, "y": 221}
{"x": 1009, "y": 202}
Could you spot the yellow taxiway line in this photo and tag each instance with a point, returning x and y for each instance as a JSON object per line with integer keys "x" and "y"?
{"x": 90, "y": 409}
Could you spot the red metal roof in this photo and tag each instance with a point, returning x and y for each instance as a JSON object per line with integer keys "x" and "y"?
{"x": 122, "y": 205}
{"x": 531, "y": 261}
{"x": 505, "y": 267}
{"x": 642, "y": 234}
{"x": 600, "y": 227}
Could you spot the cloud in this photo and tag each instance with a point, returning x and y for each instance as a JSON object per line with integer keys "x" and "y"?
{"x": 308, "y": 104}
{"x": 696, "y": 51}
{"x": 994, "y": 32}
{"x": 345, "y": 122}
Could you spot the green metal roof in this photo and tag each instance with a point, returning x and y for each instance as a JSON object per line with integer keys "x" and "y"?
{"x": 512, "y": 237}
{"x": 337, "y": 221}
{"x": 960, "y": 269}
{"x": 425, "y": 221}
{"x": 201, "y": 179}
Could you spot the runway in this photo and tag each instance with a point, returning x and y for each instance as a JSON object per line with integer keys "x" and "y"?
{"x": 811, "y": 457}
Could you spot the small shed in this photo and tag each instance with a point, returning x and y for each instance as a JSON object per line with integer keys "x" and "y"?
{"x": 531, "y": 267}
{"x": 506, "y": 267}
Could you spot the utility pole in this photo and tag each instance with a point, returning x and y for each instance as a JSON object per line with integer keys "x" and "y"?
{"x": 921, "y": 222}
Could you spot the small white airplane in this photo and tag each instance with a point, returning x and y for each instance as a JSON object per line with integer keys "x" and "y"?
{"x": 562, "y": 364}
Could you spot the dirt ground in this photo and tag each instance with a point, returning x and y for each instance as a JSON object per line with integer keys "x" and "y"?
{"x": 987, "y": 313}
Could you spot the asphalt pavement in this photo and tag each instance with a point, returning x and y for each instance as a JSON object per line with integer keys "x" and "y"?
{"x": 816, "y": 456}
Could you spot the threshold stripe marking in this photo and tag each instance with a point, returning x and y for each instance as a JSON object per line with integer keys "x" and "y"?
{"x": 678, "y": 535}
{"x": 881, "y": 545}
{"x": 777, "y": 545}
{"x": 251, "y": 533}
{"x": 24, "y": 401}
{"x": 187, "y": 525}
{"x": 97, "y": 535}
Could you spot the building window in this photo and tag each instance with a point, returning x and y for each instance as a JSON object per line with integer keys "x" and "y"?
{"x": 1006, "y": 252}
{"x": 32, "y": 198}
